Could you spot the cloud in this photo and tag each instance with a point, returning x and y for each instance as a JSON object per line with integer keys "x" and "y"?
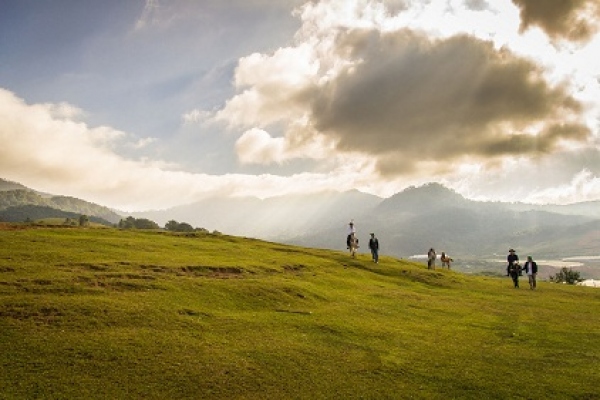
{"x": 476, "y": 5}
{"x": 44, "y": 149}
{"x": 272, "y": 87}
{"x": 372, "y": 95}
{"x": 258, "y": 147}
{"x": 148, "y": 14}
{"x": 143, "y": 142}
{"x": 575, "y": 20}
{"x": 428, "y": 99}
{"x": 558, "y": 179}
{"x": 409, "y": 100}
{"x": 585, "y": 186}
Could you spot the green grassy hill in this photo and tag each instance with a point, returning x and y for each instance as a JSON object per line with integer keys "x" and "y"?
{"x": 110, "y": 314}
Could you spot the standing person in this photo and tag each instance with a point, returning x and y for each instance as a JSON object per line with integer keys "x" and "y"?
{"x": 514, "y": 270}
{"x": 446, "y": 260}
{"x": 374, "y": 246}
{"x": 431, "y": 259}
{"x": 351, "y": 232}
{"x": 531, "y": 270}
{"x": 511, "y": 258}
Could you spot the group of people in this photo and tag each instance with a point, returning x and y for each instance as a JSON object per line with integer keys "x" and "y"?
{"x": 352, "y": 243}
{"x": 444, "y": 258}
{"x": 515, "y": 270}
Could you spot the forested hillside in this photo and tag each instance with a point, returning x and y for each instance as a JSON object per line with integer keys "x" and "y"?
{"x": 21, "y": 204}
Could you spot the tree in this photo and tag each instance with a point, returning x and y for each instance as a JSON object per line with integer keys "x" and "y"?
{"x": 175, "y": 226}
{"x": 127, "y": 223}
{"x": 172, "y": 225}
{"x": 84, "y": 220}
{"x": 185, "y": 227}
{"x": 566, "y": 275}
{"x": 141, "y": 223}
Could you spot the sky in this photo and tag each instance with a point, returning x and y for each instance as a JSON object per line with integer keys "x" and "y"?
{"x": 149, "y": 104}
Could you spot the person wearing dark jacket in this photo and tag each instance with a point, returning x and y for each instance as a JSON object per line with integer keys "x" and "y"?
{"x": 531, "y": 270}
{"x": 374, "y": 246}
{"x": 512, "y": 257}
{"x": 514, "y": 271}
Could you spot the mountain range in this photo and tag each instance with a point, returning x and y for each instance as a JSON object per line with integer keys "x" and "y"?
{"x": 407, "y": 223}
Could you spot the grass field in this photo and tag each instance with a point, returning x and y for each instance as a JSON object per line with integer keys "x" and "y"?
{"x": 108, "y": 314}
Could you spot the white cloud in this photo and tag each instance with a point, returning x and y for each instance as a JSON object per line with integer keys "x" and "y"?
{"x": 414, "y": 90}
{"x": 374, "y": 82}
{"x": 57, "y": 155}
{"x": 196, "y": 116}
{"x": 585, "y": 186}
{"x": 144, "y": 142}
{"x": 271, "y": 87}
{"x": 256, "y": 146}
{"x": 149, "y": 14}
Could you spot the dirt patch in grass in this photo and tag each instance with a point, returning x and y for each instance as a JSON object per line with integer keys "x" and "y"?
{"x": 119, "y": 282}
{"x": 157, "y": 268}
{"x": 294, "y": 268}
{"x": 42, "y": 315}
{"x": 194, "y": 313}
{"x": 213, "y": 272}
{"x": 95, "y": 267}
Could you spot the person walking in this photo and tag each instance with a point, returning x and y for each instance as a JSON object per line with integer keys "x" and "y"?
{"x": 431, "y": 259}
{"x": 531, "y": 270}
{"x": 374, "y": 246}
{"x": 514, "y": 271}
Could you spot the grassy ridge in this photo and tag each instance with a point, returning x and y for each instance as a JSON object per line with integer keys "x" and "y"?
{"x": 103, "y": 313}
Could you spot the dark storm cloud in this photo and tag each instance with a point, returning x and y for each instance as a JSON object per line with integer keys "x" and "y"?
{"x": 422, "y": 99}
{"x": 575, "y": 20}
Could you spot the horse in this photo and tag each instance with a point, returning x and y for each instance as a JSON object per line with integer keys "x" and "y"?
{"x": 446, "y": 260}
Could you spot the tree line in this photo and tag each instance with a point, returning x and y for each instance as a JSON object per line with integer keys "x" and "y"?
{"x": 173, "y": 226}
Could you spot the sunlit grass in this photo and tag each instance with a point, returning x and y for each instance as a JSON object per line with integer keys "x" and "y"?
{"x": 104, "y": 313}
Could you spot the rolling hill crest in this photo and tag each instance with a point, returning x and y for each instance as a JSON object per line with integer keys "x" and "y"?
{"x": 19, "y": 203}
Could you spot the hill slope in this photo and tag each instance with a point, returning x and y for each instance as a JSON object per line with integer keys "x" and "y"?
{"x": 16, "y": 205}
{"x": 6, "y": 185}
{"x": 103, "y": 313}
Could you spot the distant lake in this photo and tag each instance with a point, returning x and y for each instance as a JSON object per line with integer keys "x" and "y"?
{"x": 588, "y": 266}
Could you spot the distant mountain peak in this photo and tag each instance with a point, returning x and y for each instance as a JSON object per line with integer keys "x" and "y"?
{"x": 430, "y": 188}
{"x": 428, "y": 196}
